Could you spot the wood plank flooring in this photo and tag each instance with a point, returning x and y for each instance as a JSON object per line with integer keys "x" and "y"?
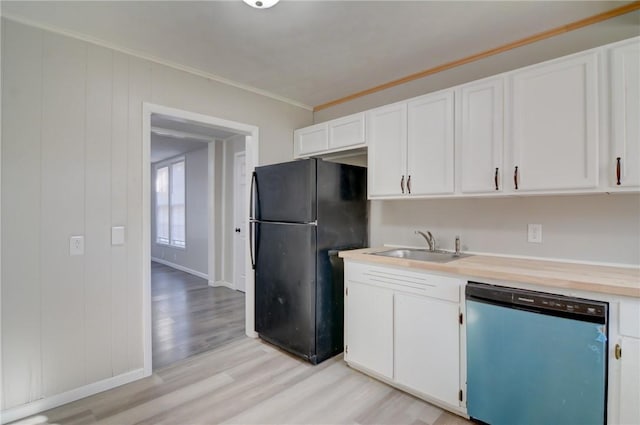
{"x": 206, "y": 371}
{"x": 189, "y": 316}
{"x": 250, "y": 382}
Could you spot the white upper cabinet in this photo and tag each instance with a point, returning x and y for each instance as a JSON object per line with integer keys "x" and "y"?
{"x": 311, "y": 140}
{"x": 480, "y": 136}
{"x": 411, "y": 147}
{"x": 553, "y": 118}
{"x": 346, "y": 131}
{"x": 430, "y": 144}
{"x": 332, "y": 136}
{"x": 625, "y": 115}
{"x": 387, "y": 159}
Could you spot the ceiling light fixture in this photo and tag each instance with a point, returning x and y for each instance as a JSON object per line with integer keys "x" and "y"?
{"x": 261, "y": 4}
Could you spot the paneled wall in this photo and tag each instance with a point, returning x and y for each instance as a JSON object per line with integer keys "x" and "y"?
{"x": 71, "y": 165}
{"x": 195, "y": 256}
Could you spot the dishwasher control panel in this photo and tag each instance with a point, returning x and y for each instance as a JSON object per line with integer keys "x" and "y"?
{"x": 537, "y": 300}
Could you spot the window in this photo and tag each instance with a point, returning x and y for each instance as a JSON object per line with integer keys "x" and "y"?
{"x": 170, "y": 204}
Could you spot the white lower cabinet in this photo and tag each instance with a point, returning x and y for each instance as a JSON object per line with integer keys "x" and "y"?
{"x": 629, "y": 406}
{"x": 403, "y": 326}
{"x": 627, "y": 355}
{"x": 427, "y": 343}
{"x": 369, "y": 328}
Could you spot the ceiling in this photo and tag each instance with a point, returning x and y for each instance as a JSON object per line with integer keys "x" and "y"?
{"x": 307, "y": 52}
{"x": 171, "y": 136}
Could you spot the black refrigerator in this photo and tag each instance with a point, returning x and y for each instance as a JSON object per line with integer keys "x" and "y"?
{"x": 302, "y": 213}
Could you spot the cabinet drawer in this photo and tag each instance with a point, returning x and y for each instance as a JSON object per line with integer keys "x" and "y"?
{"x": 436, "y": 286}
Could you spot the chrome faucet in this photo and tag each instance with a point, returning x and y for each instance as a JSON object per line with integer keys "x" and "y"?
{"x": 431, "y": 243}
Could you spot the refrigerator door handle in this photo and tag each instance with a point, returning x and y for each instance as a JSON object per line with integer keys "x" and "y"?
{"x": 251, "y": 244}
{"x": 252, "y": 213}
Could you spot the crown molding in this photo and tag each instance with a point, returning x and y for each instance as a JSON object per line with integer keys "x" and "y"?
{"x": 170, "y": 64}
{"x": 594, "y": 19}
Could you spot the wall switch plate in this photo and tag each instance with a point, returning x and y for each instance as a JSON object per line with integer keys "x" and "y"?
{"x": 534, "y": 234}
{"x": 76, "y": 245}
{"x": 117, "y": 235}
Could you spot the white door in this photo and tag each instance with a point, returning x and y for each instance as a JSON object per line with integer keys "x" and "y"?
{"x": 625, "y": 110}
{"x": 554, "y": 124}
{"x": 387, "y": 140}
{"x": 427, "y": 346}
{"x": 239, "y": 213}
{"x": 369, "y": 327}
{"x": 430, "y": 144}
{"x": 481, "y": 136}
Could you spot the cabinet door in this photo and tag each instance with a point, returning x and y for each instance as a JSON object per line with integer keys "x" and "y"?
{"x": 369, "y": 327}
{"x": 387, "y": 158}
{"x": 310, "y": 140}
{"x": 481, "y": 136}
{"x": 630, "y": 381}
{"x": 554, "y": 124}
{"x": 427, "y": 346}
{"x": 430, "y": 144}
{"x": 625, "y": 113}
{"x": 346, "y": 131}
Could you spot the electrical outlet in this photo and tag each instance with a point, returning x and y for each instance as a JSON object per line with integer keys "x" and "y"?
{"x": 534, "y": 233}
{"x": 76, "y": 245}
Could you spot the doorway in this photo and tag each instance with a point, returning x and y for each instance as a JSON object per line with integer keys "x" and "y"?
{"x": 181, "y": 121}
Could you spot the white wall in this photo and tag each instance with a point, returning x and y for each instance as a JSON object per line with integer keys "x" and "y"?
{"x": 195, "y": 256}
{"x": 599, "y": 228}
{"x": 72, "y": 165}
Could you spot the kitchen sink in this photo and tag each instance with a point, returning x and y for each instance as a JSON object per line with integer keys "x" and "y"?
{"x": 421, "y": 255}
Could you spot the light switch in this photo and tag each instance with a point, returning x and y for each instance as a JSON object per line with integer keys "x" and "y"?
{"x": 117, "y": 235}
{"x": 76, "y": 245}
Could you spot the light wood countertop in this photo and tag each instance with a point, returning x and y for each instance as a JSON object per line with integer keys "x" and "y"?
{"x": 601, "y": 279}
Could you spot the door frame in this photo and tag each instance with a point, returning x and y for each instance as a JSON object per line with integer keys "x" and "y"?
{"x": 251, "y": 134}
{"x": 236, "y": 198}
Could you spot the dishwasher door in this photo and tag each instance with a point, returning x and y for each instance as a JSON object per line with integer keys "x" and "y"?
{"x": 535, "y": 358}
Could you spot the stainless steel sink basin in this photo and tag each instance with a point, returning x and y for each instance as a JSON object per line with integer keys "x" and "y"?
{"x": 421, "y": 255}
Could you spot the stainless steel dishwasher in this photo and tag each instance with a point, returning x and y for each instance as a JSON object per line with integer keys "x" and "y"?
{"x": 535, "y": 358}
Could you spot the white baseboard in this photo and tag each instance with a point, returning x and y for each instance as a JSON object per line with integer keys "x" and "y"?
{"x": 222, "y": 283}
{"x": 47, "y": 403}
{"x": 181, "y": 268}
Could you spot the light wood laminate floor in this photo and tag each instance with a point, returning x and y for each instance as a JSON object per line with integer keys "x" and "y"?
{"x": 250, "y": 382}
{"x": 191, "y": 317}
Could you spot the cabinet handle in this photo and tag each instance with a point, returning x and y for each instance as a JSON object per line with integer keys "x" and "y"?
{"x": 495, "y": 178}
{"x": 618, "y": 352}
{"x": 409, "y": 185}
{"x": 515, "y": 177}
{"x": 402, "y": 184}
{"x": 618, "y": 170}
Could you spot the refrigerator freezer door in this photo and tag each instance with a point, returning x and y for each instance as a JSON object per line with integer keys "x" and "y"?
{"x": 286, "y": 285}
{"x": 286, "y": 192}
